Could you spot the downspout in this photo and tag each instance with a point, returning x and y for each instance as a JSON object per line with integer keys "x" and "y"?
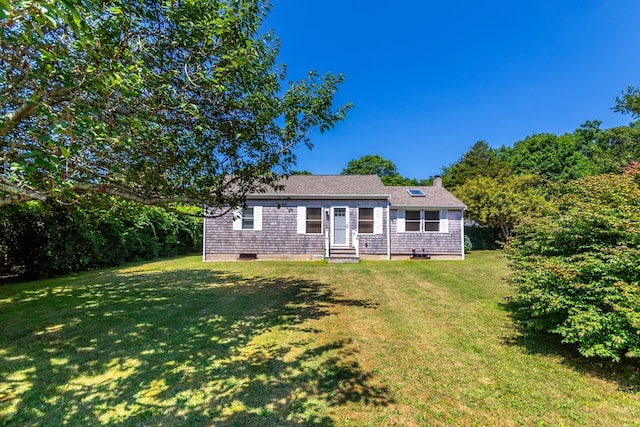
{"x": 462, "y": 232}
{"x": 327, "y": 245}
{"x": 204, "y": 234}
{"x": 388, "y": 230}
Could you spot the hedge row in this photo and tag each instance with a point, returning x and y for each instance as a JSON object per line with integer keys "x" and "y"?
{"x": 40, "y": 240}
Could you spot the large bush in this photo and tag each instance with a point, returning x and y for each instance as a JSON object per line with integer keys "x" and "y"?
{"x": 576, "y": 270}
{"x": 47, "y": 239}
{"x": 483, "y": 238}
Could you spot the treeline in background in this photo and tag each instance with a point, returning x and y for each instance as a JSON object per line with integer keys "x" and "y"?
{"x": 504, "y": 186}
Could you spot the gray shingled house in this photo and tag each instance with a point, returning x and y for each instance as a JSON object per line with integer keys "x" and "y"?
{"x": 340, "y": 217}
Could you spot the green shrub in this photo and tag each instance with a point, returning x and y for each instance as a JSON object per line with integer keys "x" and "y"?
{"x": 467, "y": 244}
{"x": 576, "y": 270}
{"x": 483, "y": 238}
{"x": 47, "y": 239}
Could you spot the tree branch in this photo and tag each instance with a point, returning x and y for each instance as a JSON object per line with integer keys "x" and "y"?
{"x": 127, "y": 194}
{"x": 18, "y": 194}
{"x": 11, "y": 120}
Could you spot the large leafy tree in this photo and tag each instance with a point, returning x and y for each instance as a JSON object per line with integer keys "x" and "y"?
{"x": 154, "y": 101}
{"x": 371, "y": 164}
{"x": 629, "y": 102}
{"x": 611, "y": 149}
{"x": 554, "y": 157}
{"x": 480, "y": 160}
{"x": 502, "y": 202}
{"x": 374, "y": 164}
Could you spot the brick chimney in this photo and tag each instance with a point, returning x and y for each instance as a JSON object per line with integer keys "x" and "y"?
{"x": 437, "y": 181}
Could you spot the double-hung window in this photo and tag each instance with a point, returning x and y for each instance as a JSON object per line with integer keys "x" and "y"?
{"x": 370, "y": 220}
{"x": 431, "y": 221}
{"x": 365, "y": 220}
{"x": 412, "y": 221}
{"x": 314, "y": 221}
{"x": 309, "y": 220}
{"x": 249, "y": 218}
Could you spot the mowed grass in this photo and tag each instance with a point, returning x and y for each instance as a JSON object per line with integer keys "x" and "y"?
{"x": 182, "y": 342}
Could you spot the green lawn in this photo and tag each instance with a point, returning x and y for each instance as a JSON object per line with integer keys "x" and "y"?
{"x": 181, "y": 342}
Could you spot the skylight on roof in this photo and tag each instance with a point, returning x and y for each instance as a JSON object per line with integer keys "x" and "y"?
{"x": 415, "y": 192}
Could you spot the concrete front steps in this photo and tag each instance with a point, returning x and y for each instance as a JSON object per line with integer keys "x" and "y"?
{"x": 343, "y": 256}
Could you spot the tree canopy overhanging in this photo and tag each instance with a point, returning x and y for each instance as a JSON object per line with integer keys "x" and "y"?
{"x": 153, "y": 101}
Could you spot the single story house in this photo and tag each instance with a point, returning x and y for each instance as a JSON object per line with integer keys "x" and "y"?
{"x": 339, "y": 217}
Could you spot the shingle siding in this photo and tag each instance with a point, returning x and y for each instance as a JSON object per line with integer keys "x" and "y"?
{"x": 279, "y": 230}
{"x": 370, "y": 244}
{"x": 449, "y": 243}
{"x": 279, "y": 233}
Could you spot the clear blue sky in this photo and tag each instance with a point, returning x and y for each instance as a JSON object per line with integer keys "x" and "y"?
{"x": 430, "y": 78}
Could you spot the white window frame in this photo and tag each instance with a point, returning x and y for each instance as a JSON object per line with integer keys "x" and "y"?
{"x": 238, "y": 216}
{"x": 372, "y": 220}
{"x": 419, "y": 221}
{"x": 248, "y": 218}
{"x": 443, "y": 221}
{"x": 424, "y": 221}
{"x": 377, "y": 220}
{"x": 302, "y": 220}
{"x": 306, "y": 222}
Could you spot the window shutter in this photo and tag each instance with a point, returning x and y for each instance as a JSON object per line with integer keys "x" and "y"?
{"x": 257, "y": 218}
{"x": 400, "y": 222}
{"x": 302, "y": 219}
{"x": 444, "y": 221}
{"x": 237, "y": 219}
{"x": 377, "y": 220}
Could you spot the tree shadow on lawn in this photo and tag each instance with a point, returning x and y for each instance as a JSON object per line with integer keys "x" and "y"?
{"x": 182, "y": 347}
{"x": 626, "y": 374}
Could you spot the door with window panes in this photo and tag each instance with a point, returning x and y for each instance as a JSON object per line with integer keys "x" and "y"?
{"x": 340, "y": 227}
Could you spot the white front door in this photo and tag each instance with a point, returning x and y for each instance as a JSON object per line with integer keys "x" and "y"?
{"x": 340, "y": 227}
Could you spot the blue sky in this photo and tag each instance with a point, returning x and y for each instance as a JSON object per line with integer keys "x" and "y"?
{"x": 430, "y": 78}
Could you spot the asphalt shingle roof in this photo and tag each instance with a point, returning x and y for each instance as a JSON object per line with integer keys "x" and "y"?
{"x": 433, "y": 197}
{"x": 331, "y": 185}
{"x": 320, "y": 186}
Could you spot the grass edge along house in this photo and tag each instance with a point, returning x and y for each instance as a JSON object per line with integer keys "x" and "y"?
{"x": 340, "y": 218}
